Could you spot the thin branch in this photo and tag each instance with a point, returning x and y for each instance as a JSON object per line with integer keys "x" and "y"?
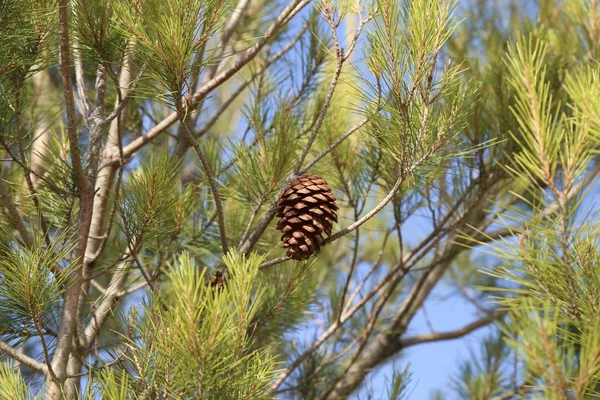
{"x": 71, "y": 299}
{"x": 455, "y": 334}
{"x": 270, "y": 263}
{"x": 125, "y": 101}
{"x": 209, "y": 176}
{"x": 333, "y": 145}
{"x": 324, "y": 109}
{"x": 369, "y": 215}
{"x": 22, "y": 358}
{"x": 374, "y": 267}
{"x": 551, "y": 209}
{"x": 252, "y": 219}
{"x": 513, "y": 394}
{"x": 352, "y": 45}
{"x": 230, "y": 27}
{"x": 108, "y": 299}
{"x": 65, "y": 70}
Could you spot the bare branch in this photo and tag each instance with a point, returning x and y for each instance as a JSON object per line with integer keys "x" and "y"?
{"x": 108, "y": 300}
{"x": 65, "y": 70}
{"x": 369, "y": 215}
{"x": 438, "y": 336}
{"x": 22, "y": 358}
{"x": 125, "y": 101}
{"x": 270, "y": 263}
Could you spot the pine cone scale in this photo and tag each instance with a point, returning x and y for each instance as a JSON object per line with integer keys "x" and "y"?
{"x": 307, "y": 209}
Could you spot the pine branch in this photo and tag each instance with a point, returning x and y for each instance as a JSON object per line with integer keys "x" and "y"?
{"x": 65, "y": 70}
{"x": 324, "y": 108}
{"x": 230, "y": 27}
{"x": 589, "y": 177}
{"x": 333, "y": 145}
{"x": 242, "y": 60}
{"x": 24, "y": 359}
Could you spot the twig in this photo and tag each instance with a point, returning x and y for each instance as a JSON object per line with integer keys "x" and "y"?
{"x": 123, "y": 102}
{"x": 369, "y": 215}
{"x": 324, "y": 109}
{"x": 333, "y": 145}
{"x": 208, "y": 174}
{"x": 438, "y": 336}
{"x": 270, "y": 263}
{"x": 522, "y": 389}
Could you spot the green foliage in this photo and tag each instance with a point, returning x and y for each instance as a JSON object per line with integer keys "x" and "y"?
{"x": 12, "y": 384}
{"x": 399, "y": 385}
{"x": 25, "y": 26}
{"x": 96, "y": 27}
{"x": 417, "y": 111}
{"x": 149, "y": 209}
{"x": 193, "y": 338}
{"x": 169, "y": 37}
{"x": 483, "y": 375}
{"x": 114, "y": 385}
{"x": 287, "y": 295}
{"x": 463, "y": 138}
{"x": 30, "y": 286}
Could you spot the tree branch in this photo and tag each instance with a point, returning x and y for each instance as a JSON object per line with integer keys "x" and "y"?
{"x": 209, "y": 176}
{"x": 22, "y": 358}
{"x": 324, "y": 109}
{"x": 110, "y": 297}
{"x": 71, "y": 299}
{"x": 439, "y": 336}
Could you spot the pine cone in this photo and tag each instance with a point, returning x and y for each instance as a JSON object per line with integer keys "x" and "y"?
{"x": 306, "y": 208}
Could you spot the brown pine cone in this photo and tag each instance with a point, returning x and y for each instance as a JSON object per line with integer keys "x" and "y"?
{"x": 306, "y": 208}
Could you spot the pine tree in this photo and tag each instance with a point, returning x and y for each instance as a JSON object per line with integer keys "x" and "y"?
{"x": 155, "y": 156}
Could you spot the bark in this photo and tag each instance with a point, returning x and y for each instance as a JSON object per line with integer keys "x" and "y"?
{"x": 68, "y": 321}
{"x": 109, "y": 162}
{"x": 44, "y": 87}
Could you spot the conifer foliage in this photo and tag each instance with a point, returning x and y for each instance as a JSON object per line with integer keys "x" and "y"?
{"x": 155, "y": 154}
